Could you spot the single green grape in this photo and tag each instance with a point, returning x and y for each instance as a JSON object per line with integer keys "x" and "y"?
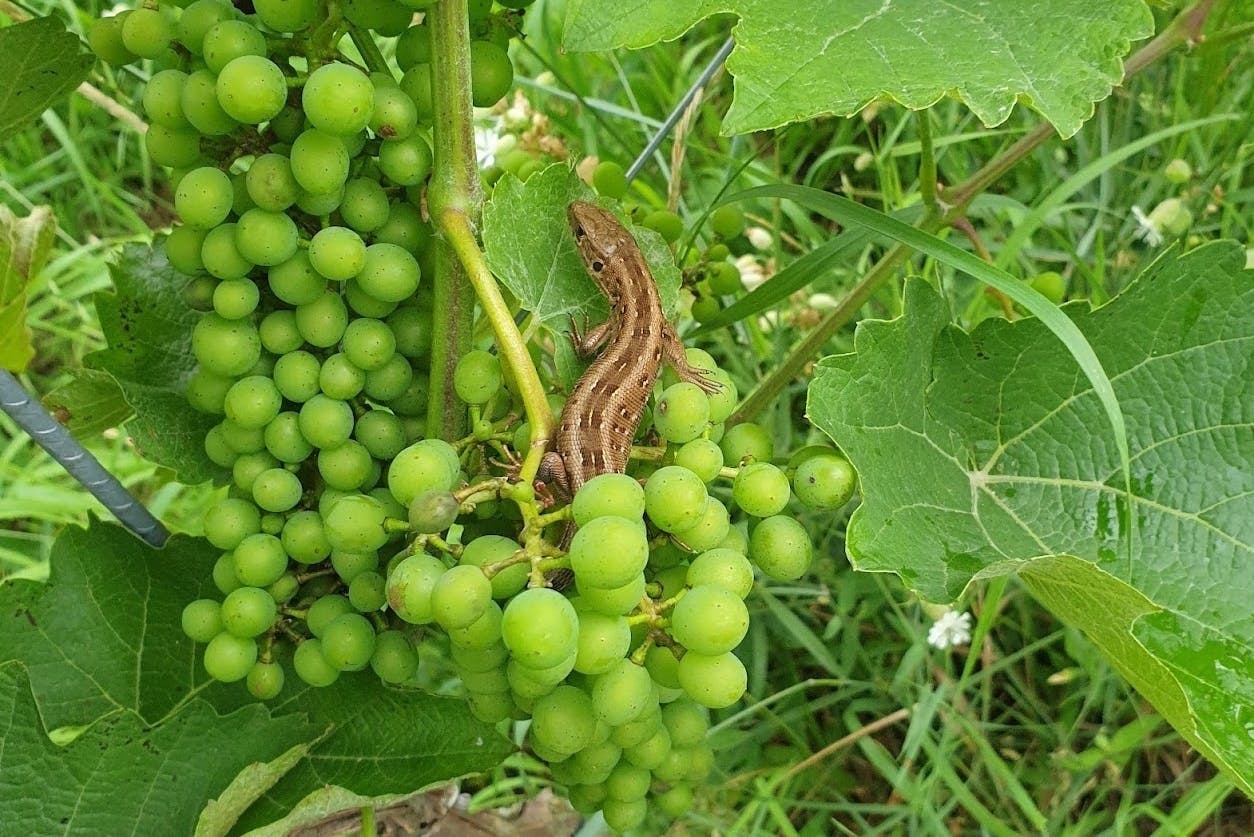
{"x": 368, "y": 343}
{"x": 540, "y": 628}
{"x": 338, "y": 99}
{"x": 492, "y": 549}
{"x": 609, "y": 552}
{"x": 460, "y": 596}
{"x": 251, "y": 89}
{"x": 364, "y": 206}
{"x": 202, "y": 620}
{"x": 563, "y": 720}
{"x": 230, "y": 39}
{"x": 701, "y": 456}
{"x": 248, "y": 611}
{"x": 761, "y": 489}
{"x": 710, "y": 528}
{"x": 295, "y": 281}
{"x": 682, "y": 412}
{"x": 323, "y": 321}
{"x": 605, "y": 495}
{"x": 394, "y": 658}
{"x": 724, "y": 568}
{"x": 348, "y": 642}
{"x": 228, "y": 657}
{"x": 622, "y": 693}
{"x": 674, "y": 498}
{"x": 715, "y": 681}
{"x": 427, "y": 464}
{"x": 311, "y": 666}
{"x": 265, "y": 680}
{"x": 825, "y": 481}
{"x": 304, "y": 538}
{"x": 253, "y": 402}
{"x": 355, "y": 524}
{"x": 709, "y": 620}
{"x": 259, "y": 560}
{"x": 603, "y": 641}
{"x": 410, "y": 585}
{"x": 277, "y": 490}
{"x": 287, "y": 15}
{"x": 491, "y": 73}
{"x": 296, "y": 376}
{"x": 319, "y": 161}
{"x": 747, "y": 440}
{"x": 781, "y": 547}
{"x": 477, "y": 376}
{"x": 203, "y": 198}
{"x": 229, "y": 521}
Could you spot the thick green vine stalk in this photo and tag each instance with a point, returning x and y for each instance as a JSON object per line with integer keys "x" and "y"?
{"x": 454, "y": 200}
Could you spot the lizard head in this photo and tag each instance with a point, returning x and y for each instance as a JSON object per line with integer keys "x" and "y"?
{"x": 600, "y": 239}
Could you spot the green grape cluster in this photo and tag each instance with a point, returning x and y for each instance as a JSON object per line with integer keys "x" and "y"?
{"x": 298, "y": 177}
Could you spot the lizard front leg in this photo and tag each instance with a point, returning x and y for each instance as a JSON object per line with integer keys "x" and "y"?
{"x": 587, "y": 340}
{"x": 553, "y": 470}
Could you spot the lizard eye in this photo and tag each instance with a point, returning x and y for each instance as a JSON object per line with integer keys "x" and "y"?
{"x": 579, "y": 232}
{"x": 598, "y": 266}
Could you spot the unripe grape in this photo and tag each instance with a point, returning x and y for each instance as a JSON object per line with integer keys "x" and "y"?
{"x": 348, "y": 642}
{"x": 287, "y": 15}
{"x": 147, "y": 33}
{"x": 825, "y": 481}
{"x": 562, "y": 720}
{"x": 407, "y": 161}
{"x": 710, "y": 620}
{"x": 609, "y": 179}
{"x": 608, "y": 552}
{"x": 319, "y": 161}
{"x": 202, "y": 620}
{"x": 781, "y": 547}
{"x": 682, "y": 412}
{"x": 622, "y": 693}
{"x": 491, "y": 73}
{"x": 248, "y": 611}
{"x": 540, "y": 627}
{"x": 338, "y": 99}
{"x": 203, "y": 198}
{"x": 230, "y": 521}
{"x": 761, "y": 489}
{"x": 491, "y": 549}
{"x": 714, "y": 681}
{"x": 410, "y": 585}
{"x": 355, "y": 524}
{"x": 460, "y": 596}
{"x": 701, "y": 456}
{"x": 104, "y": 36}
{"x": 477, "y": 376}
{"x": 311, "y": 666}
{"x": 228, "y": 658}
{"x": 603, "y": 641}
{"x": 201, "y": 106}
{"x": 674, "y": 498}
{"x": 251, "y": 89}
{"x": 747, "y": 440}
{"x": 394, "y": 658}
{"x": 228, "y": 40}
{"x": 724, "y": 568}
{"x": 710, "y": 528}
{"x": 265, "y": 680}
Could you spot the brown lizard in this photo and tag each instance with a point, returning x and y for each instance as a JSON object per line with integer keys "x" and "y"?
{"x": 604, "y": 409}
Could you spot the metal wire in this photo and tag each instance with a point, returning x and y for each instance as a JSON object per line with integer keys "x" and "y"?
{"x": 674, "y": 117}
{"x": 50, "y": 435}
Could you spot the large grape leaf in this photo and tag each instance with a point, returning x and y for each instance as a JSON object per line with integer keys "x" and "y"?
{"x": 110, "y": 669}
{"x": 529, "y": 246}
{"x": 123, "y": 776}
{"x": 24, "y": 247}
{"x": 39, "y": 63}
{"x": 148, "y": 326}
{"x": 986, "y": 454}
{"x": 795, "y": 61}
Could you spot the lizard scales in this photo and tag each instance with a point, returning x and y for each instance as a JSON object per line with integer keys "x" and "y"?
{"x": 604, "y": 409}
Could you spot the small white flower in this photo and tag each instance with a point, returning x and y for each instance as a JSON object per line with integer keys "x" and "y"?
{"x": 1146, "y": 228}
{"x": 823, "y": 302}
{"x": 759, "y": 238}
{"x": 751, "y": 272}
{"x": 486, "y": 135}
{"x": 951, "y": 629}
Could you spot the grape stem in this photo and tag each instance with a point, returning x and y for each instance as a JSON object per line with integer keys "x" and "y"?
{"x": 375, "y": 62}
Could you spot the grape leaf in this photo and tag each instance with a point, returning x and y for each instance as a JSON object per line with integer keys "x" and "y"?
{"x": 794, "y": 61}
{"x": 108, "y": 664}
{"x": 148, "y": 326}
{"x": 24, "y": 247}
{"x": 529, "y": 246}
{"x": 40, "y": 63}
{"x": 89, "y": 403}
{"x": 122, "y": 776}
{"x": 380, "y": 742}
{"x": 982, "y": 455}
{"x": 104, "y": 633}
